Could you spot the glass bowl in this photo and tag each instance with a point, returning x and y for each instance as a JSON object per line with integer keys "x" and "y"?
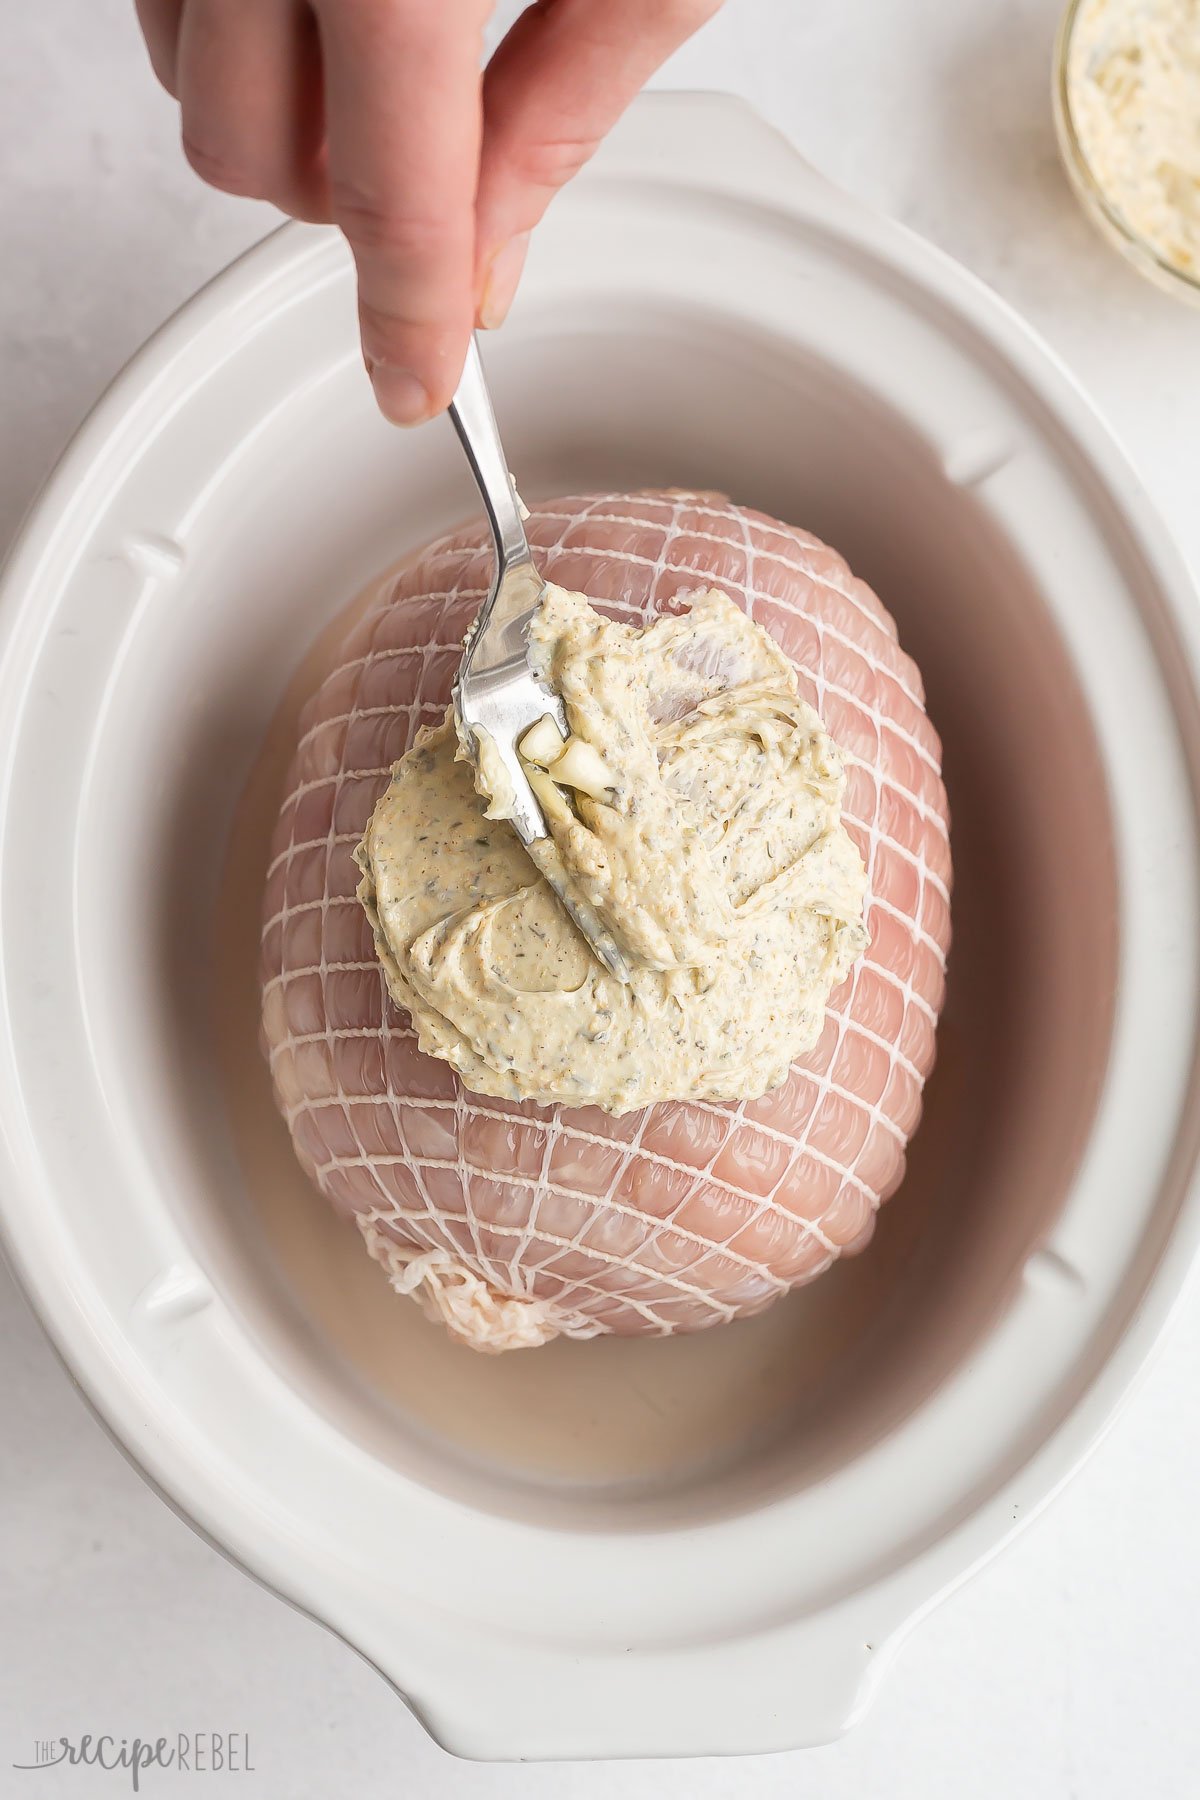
{"x": 1107, "y": 217}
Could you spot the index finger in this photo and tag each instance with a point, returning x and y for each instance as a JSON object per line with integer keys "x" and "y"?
{"x": 403, "y": 110}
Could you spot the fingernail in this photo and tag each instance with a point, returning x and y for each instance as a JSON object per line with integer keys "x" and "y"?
{"x": 501, "y": 283}
{"x": 402, "y": 397}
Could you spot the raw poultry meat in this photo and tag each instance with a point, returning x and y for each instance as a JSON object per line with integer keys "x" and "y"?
{"x": 512, "y": 1222}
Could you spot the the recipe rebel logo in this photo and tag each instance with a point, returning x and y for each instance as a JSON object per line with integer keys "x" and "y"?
{"x": 186, "y": 1753}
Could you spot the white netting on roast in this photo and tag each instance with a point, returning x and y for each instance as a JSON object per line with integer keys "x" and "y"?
{"x": 511, "y": 1222}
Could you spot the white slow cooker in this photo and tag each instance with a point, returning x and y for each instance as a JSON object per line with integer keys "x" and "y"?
{"x": 695, "y": 1546}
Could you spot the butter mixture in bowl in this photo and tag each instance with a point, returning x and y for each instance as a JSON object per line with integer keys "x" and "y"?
{"x": 1127, "y": 106}
{"x": 697, "y": 806}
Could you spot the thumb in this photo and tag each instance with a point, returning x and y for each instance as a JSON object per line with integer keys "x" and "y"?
{"x": 559, "y": 81}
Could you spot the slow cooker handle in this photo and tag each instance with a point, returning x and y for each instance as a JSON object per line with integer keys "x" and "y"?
{"x": 718, "y": 143}
{"x": 786, "y": 1688}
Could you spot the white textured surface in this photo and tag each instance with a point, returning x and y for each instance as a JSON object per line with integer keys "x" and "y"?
{"x": 1071, "y": 1666}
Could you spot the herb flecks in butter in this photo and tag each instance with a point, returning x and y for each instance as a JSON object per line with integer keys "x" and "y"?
{"x": 696, "y": 804}
{"x": 1133, "y": 86}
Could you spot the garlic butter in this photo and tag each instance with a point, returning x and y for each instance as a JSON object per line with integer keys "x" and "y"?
{"x": 1132, "y": 73}
{"x": 696, "y": 804}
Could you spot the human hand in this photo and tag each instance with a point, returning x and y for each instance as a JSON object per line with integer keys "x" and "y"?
{"x": 377, "y": 115}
